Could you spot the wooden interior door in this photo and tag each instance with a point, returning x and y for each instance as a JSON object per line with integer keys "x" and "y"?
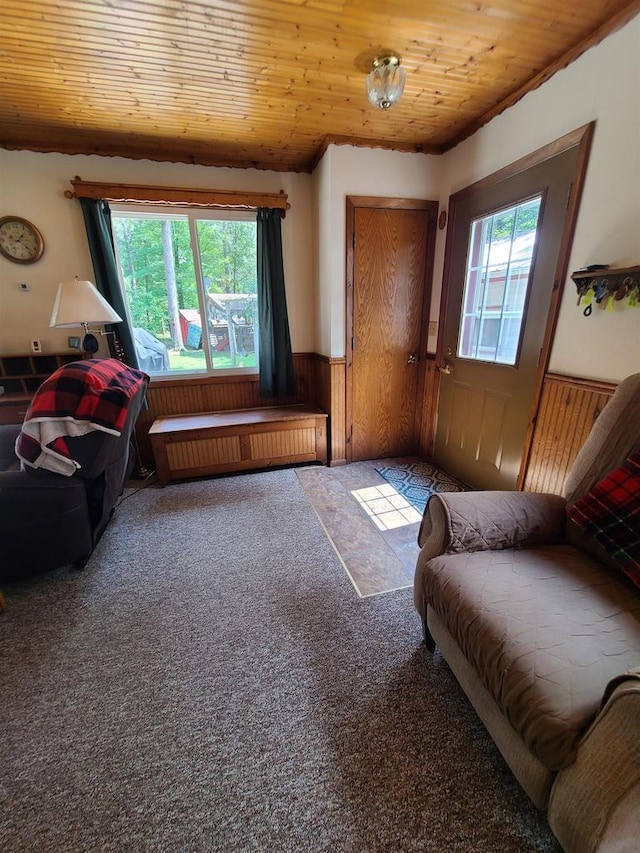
{"x": 390, "y": 245}
{"x": 487, "y": 386}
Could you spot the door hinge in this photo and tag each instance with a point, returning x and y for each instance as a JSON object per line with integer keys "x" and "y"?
{"x": 353, "y": 240}
{"x": 353, "y": 343}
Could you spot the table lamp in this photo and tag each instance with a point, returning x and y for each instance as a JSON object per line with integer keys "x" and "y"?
{"x": 78, "y": 303}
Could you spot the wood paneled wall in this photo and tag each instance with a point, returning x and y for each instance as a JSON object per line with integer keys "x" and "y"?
{"x": 568, "y": 409}
{"x": 429, "y": 408}
{"x": 331, "y": 397}
{"x": 320, "y": 382}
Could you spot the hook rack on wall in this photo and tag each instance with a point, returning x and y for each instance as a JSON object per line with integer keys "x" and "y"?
{"x": 606, "y": 286}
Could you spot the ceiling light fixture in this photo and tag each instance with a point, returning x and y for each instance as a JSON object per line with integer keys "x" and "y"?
{"x": 385, "y": 81}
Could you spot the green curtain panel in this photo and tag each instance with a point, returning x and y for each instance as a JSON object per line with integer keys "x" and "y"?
{"x": 97, "y": 221}
{"x": 277, "y": 377}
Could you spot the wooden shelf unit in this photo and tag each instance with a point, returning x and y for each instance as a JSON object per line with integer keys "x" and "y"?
{"x": 21, "y": 374}
{"x": 608, "y": 284}
{"x": 607, "y": 272}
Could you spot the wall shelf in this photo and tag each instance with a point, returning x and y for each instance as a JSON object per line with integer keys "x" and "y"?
{"x": 605, "y": 287}
{"x": 21, "y": 375}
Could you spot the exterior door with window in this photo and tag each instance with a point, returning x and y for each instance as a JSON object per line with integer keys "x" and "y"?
{"x": 505, "y": 241}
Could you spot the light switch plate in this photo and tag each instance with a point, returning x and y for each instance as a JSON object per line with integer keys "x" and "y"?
{"x": 433, "y": 328}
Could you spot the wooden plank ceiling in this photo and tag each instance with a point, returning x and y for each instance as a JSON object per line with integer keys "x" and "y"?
{"x": 269, "y": 83}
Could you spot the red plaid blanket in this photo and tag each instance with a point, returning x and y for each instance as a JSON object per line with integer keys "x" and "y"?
{"x": 610, "y": 512}
{"x": 77, "y": 398}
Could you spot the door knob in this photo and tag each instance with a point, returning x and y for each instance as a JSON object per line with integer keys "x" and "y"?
{"x": 413, "y": 359}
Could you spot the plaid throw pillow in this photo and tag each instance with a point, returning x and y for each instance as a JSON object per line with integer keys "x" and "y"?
{"x": 610, "y": 512}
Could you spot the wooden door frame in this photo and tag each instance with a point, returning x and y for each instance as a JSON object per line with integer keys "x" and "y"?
{"x": 580, "y": 138}
{"x": 353, "y": 202}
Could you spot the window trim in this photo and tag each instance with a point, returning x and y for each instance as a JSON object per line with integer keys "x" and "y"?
{"x": 192, "y": 197}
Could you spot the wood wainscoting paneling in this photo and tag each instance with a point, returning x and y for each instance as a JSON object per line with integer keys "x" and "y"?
{"x": 331, "y": 397}
{"x": 429, "y": 417}
{"x": 568, "y": 409}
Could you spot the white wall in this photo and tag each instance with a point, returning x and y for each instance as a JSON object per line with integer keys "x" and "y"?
{"x": 603, "y": 85}
{"x": 324, "y": 252}
{"x": 32, "y": 186}
{"x": 345, "y": 170}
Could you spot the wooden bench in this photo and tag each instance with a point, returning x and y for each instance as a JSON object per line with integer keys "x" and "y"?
{"x": 220, "y": 442}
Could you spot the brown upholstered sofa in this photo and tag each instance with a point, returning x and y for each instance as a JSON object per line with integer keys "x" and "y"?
{"x": 542, "y": 630}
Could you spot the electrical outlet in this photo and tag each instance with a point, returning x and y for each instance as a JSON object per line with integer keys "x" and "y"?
{"x": 433, "y": 328}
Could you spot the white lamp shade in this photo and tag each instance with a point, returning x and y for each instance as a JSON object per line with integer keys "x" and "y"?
{"x": 79, "y": 303}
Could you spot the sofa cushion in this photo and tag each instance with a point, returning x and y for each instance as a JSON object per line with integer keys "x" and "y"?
{"x": 610, "y": 512}
{"x": 546, "y": 629}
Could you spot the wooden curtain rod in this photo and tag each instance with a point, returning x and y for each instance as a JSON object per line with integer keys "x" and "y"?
{"x": 176, "y": 195}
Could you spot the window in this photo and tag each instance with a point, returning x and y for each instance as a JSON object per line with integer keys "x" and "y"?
{"x": 189, "y": 277}
{"x": 499, "y": 262}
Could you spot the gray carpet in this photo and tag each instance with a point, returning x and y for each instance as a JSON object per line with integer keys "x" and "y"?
{"x": 211, "y": 682}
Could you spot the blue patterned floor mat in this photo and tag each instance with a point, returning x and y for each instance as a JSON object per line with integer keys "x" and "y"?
{"x": 417, "y": 481}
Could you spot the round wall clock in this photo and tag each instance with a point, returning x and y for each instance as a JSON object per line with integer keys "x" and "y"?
{"x": 20, "y": 240}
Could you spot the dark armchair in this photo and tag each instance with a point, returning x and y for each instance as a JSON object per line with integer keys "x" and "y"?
{"x": 52, "y": 519}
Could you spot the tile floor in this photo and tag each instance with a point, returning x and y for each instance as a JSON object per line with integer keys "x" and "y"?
{"x": 372, "y": 528}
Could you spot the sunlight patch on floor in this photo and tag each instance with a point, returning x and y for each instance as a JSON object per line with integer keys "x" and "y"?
{"x": 386, "y": 507}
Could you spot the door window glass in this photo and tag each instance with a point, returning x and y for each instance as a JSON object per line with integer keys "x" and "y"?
{"x": 499, "y": 260}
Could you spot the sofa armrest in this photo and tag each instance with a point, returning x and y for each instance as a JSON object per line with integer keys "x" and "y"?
{"x": 27, "y": 483}
{"x": 595, "y": 802}
{"x": 44, "y": 522}
{"x": 8, "y": 435}
{"x": 490, "y": 521}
